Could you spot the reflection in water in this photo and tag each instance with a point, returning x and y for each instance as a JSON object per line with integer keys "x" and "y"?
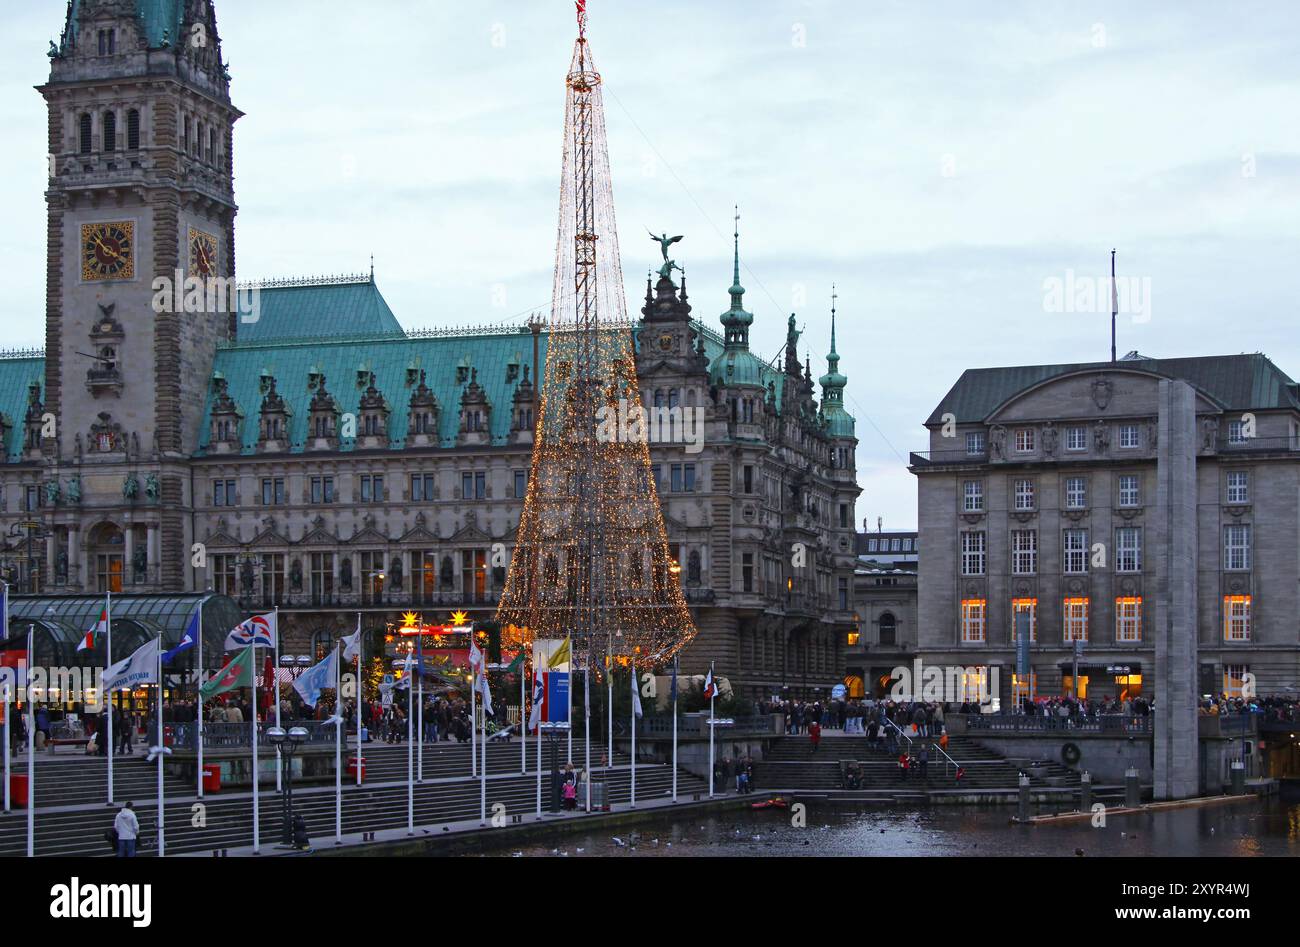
{"x": 1271, "y": 827}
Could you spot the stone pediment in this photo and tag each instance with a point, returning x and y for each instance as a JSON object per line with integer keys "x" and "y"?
{"x": 369, "y": 536}
{"x": 1116, "y": 392}
{"x": 470, "y": 534}
{"x": 269, "y": 537}
{"x": 418, "y": 534}
{"x": 318, "y": 536}
{"x": 220, "y": 540}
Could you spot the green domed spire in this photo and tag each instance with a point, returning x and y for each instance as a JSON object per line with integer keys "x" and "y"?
{"x": 839, "y": 421}
{"x": 736, "y": 321}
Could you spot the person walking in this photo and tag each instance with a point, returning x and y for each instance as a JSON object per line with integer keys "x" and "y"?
{"x": 815, "y": 734}
{"x": 924, "y": 760}
{"x": 127, "y": 827}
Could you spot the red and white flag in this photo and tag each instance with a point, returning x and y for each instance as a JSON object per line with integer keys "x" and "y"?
{"x": 99, "y": 628}
{"x": 710, "y": 686}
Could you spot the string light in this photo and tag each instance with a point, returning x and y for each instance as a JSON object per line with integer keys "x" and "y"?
{"x": 591, "y": 558}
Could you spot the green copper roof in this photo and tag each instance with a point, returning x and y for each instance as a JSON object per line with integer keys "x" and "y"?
{"x": 839, "y": 423}
{"x": 446, "y": 359}
{"x": 161, "y": 20}
{"x": 1237, "y": 382}
{"x": 736, "y": 320}
{"x": 16, "y": 377}
{"x": 319, "y": 309}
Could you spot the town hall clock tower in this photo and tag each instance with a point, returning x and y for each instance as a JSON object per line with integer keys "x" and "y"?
{"x": 140, "y": 190}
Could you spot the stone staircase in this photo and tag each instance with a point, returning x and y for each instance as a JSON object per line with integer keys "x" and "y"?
{"x": 792, "y": 764}
{"x": 446, "y": 795}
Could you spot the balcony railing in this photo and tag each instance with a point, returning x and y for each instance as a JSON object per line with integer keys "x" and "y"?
{"x": 695, "y": 725}
{"x": 934, "y": 458}
{"x": 1094, "y": 723}
{"x": 225, "y": 735}
{"x": 1258, "y": 445}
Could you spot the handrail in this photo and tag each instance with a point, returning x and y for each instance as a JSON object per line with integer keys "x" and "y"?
{"x": 947, "y": 758}
{"x": 891, "y": 723}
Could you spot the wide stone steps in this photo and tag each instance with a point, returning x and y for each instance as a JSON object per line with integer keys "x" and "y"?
{"x": 370, "y": 808}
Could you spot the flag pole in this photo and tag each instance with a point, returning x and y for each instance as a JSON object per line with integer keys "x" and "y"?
{"x": 31, "y": 750}
{"x": 275, "y": 694}
{"x": 712, "y": 727}
{"x": 162, "y": 815}
{"x": 633, "y": 711}
{"x": 338, "y": 745}
{"x": 675, "y": 728}
{"x": 539, "y": 737}
{"x": 9, "y": 721}
{"x": 420, "y": 706}
{"x": 609, "y": 682}
{"x": 257, "y": 829}
{"x": 523, "y": 706}
{"x": 361, "y": 644}
{"x": 410, "y": 752}
{"x": 198, "y": 680}
{"x": 482, "y": 769}
{"x": 473, "y": 712}
{"x": 586, "y": 711}
{"x": 112, "y": 748}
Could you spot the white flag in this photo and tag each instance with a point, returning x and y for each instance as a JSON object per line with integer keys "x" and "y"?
{"x": 139, "y": 668}
{"x": 485, "y": 692}
{"x": 352, "y": 644}
{"x": 539, "y": 697}
{"x": 636, "y": 695}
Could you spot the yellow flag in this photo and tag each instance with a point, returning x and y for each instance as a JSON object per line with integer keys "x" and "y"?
{"x": 561, "y": 655}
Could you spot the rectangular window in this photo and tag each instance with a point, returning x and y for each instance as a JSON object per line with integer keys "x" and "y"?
{"x": 747, "y": 572}
{"x": 1237, "y": 432}
{"x": 372, "y": 577}
{"x": 1024, "y": 495}
{"x": 688, "y": 477}
{"x": 1075, "y": 615}
{"x": 322, "y": 578}
{"x": 1075, "y": 547}
{"x": 372, "y": 489}
{"x": 844, "y": 593}
{"x": 1024, "y": 551}
{"x": 322, "y": 490}
{"x": 1028, "y": 606}
{"x": 223, "y": 493}
{"x": 1076, "y": 493}
{"x": 844, "y": 516}
{"x": 32, "y": 498}
{"x": 676, "y": 481}
{"x": 1236, "y": 618}
{"x": 973, "y": 611}
{"x": 1238, "y": 486}
{"x": 871, "y": 545}
{"x": 1128, "y": 490}
{"x": 1076, "y": 438}
{"x": 1128, "y": 619}
{"x": 1236, "y": 548}
{"x": 975, "y": 442}
{"x": 1024, "y": 440}
{"x": 273, "y": 491}
{"x": 521, "y": 483}
{"x": 1129, "y": 436}
{"x": 749, "y": 478}
{"x": 467, "y": 486}
{"x": 1235, "y": 677}
{"x": 224, "y": 581}
{"x": 973, "y": 496}
{"x": 1128, "y": 549}
{"x": 973, "y": 550}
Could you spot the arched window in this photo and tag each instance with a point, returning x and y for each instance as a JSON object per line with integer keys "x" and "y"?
{"x": 693, "y": 567}
{"x": 133, "y": 130}
{"x": 110, "y": 131}
{"x": 888, "y": 629}
{"x": 84, "y": 133}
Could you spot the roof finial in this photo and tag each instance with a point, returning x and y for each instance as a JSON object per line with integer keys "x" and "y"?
{"x": 372, "y": 267}
{"x": 736, "y": 278}
{"x": 834, "y": 298}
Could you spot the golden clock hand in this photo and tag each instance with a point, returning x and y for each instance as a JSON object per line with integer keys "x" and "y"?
{"x": 113, "y": 253}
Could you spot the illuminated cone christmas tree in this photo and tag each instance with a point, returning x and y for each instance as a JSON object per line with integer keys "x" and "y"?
{"x": 591, "y": 559}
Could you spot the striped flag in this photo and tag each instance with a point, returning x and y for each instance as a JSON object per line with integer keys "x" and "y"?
{"x": 100, "y": 627}
{"x": 710, "y": 685}
{"x": 258, "y": 631}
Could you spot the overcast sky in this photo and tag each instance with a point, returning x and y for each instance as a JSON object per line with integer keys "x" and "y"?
{"x": 937, "y": 163}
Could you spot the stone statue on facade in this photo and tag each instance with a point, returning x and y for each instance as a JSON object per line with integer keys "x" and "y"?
{"x": 1101, "y": 437}
{"x": 997, "y": 441}
{"x": 665, "y": 241}
{"x": 74, "y": 490}
{"x": 130, "y": 487}
{"x": 52, "y": 493}
{"x": 140, "y": 562}
{"x": 152, "y": 488}
{"x": 1049, "y": 438}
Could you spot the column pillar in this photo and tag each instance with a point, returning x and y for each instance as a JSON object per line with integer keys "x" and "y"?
{"x": 1173, "y": 541}
{"x": 128, "y": 564}
{"x": 74, "y": 556}
{"x": 153, "y": 553}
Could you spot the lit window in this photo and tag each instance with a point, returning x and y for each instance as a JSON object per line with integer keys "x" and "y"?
{"x": 1128, "y": 435}
{"x": 973, "y": 496}
{"x": 1076, "y": 493}
{"x": 1024, "y": 440}
{"x": 1235, "y": 677}
{"x": 972, "y": 620}
{"x": 1128, "y": 619}
{"x": 1024, "y": 551}
{"x": 1076, "y": 551}
{"x": 1075, "y": 614}
{"x": 854, "y": 638}
{"x": 973, "y": 549}
{"x": 1076, "y": 438}
{"x": 1018, "y": 689}
{"x": 1024, "y": 494}
{"x": 975, "y": 442}
{"x": 1128, "y": 490}
{"x": 1236, "y": 548}
{"x": 1128, "y": 549}
{"x": 1028, "y": 606}
{"x": 1238, "y": 486}
{"x": 1236, "y": 618}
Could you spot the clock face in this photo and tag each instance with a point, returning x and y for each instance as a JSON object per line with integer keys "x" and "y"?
{"x": 203, "y": 253}
{"x": 108, "y": 251}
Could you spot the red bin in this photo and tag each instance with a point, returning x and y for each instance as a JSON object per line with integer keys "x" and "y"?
{"x": 352, "y": 767}
{"x": 18, "y": 789}
{"x": 212, "y": 777}
{"x": 169, "y": 735}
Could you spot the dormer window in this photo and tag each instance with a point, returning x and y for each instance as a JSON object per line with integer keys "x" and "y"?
{"x": 323, "y": 426}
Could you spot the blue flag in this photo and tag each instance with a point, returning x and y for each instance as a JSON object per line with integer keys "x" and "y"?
{"x": 187, "y": 640}
{"x": 316, "y": 678}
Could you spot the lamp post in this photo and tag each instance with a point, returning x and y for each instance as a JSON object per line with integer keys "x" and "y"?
{"x": 287, "y": 743}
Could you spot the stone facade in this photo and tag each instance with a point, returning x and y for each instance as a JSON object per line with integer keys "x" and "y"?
{"x": 327, "y": 463}
{"x": 1048, "y": 488}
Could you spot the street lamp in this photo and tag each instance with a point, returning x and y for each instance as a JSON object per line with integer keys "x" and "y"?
{"x": 288, "y": 744}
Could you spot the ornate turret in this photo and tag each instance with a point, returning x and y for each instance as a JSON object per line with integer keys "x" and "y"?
{"x": 736, "y": 321}
{"x": 839, "y": 422}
